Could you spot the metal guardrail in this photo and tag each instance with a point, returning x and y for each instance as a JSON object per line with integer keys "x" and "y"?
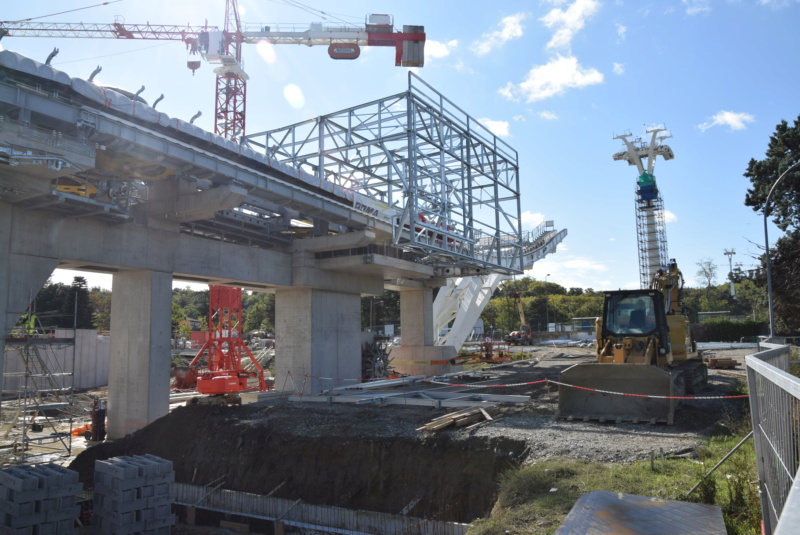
{"x": 775, "y": 411}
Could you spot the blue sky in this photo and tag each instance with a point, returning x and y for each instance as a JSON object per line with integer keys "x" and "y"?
{"x": 556, "y": 79}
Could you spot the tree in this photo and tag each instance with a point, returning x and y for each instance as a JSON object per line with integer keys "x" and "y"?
{"x": 79, "y": 293}
{"x": 783, "y": 151}
{"x": 707, "y": 272}
{"x": 259, "y": 312}
{"x": 101, "y": 308}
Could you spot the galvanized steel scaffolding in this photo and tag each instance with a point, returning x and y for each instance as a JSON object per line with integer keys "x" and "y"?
{"x": 449, "y": 186}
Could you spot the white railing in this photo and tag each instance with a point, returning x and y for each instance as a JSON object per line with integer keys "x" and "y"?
{"x": 775, "y": 410}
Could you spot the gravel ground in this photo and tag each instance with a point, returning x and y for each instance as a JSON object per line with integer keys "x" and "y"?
{"x": 547, "y": 437}
{"x": 533, "y": 422}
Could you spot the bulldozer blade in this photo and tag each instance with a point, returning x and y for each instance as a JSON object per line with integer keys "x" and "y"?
{"x": 588, "y": 404}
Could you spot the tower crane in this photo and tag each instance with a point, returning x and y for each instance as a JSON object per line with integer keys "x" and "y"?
{"x": 650, "y": 226}
{"x": 223, "y": 48}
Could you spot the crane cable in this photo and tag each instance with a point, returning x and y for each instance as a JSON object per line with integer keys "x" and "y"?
{"x": 323, "y": 14}
{"x": 59, "y": 13}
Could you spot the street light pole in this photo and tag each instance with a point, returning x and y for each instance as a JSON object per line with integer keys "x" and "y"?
{"x": 729, "y": 254}
{"x": 766, "y": 249}
{"x": 546, "y": 306}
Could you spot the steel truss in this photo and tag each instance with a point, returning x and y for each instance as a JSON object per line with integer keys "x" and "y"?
{"x": 651, "y": 237}
{"x": 449, "y": 186}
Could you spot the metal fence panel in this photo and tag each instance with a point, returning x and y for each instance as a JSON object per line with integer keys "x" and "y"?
{"x": 775, "y": 411}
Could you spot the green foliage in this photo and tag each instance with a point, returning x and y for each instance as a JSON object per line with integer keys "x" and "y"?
{"x": 542, "y": 302}
{"x": 100, "y": 301}
{"x": 194, "y": 304}
{"x": 535, "y": 499}
{"x": 259, "y": 312}
{"x": 380, "y": 310}
{"x": 786, "y": 282}
{"x": 184, "y": 328}
{"x": 55, "y": 305}
{"x": 178, "y": 315}
{"x": 783, "y": 151}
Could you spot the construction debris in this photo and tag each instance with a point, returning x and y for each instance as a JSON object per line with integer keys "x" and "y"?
{"x": 721, "y": 362}
{"x": 472, "y": 417}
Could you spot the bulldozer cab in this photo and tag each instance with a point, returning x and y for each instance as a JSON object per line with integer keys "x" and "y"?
{"x": 634, "y": 313}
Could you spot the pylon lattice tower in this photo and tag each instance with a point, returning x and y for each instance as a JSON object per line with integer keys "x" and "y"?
{"x": 651, "y": 231}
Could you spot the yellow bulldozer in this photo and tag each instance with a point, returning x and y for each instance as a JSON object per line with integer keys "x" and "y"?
{"x": 645, "y": 357}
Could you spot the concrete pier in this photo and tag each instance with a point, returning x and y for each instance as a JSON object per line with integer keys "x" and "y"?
{"x": 138, "y": 378}
{"x": 417, "y": 355}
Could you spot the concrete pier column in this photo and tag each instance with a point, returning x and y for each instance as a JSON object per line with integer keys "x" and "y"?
{"x": 21, "y": 278}
{"x": 417, "y": 355}
{"x": 318, "y": 340}
{"x": 416, "y": 317}
{"x": 138, "y": 375}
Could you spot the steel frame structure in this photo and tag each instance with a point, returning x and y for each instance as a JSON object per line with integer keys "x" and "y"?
{"x": 225, "y": 347}
{"x": 449, "y": 186}
{"x": 651, "y": 232}
{"x": 651, "y": 237}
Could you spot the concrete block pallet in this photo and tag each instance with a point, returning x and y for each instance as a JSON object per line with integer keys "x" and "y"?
{"x": 39, "y": 500}
{"x": 133, "y": 495}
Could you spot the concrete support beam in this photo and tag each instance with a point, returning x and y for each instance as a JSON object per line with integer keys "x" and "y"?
{"x": 138, "y": 381}
{"x": 318, "y": 333}
{"x": 21, "y": 278}
{"x": 348, "y": 240}
{"x": 417, "y": 355}
{"x": 179, "y": 200}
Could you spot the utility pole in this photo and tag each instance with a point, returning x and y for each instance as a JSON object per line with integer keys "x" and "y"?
{"x": 546, "y": 306}
{"x": 729, "y": 253}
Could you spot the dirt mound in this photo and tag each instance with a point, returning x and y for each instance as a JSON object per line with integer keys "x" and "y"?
{"x": 363, "y": 458}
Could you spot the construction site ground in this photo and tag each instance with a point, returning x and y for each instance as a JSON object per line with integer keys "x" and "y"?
{"x": 374, "y": 457}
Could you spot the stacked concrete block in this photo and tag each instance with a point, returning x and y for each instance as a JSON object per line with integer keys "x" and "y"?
{"x": 39, "y": 500}
{"x": 133, "y": 495}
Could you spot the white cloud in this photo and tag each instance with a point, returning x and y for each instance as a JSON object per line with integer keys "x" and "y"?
{"x": 619, "y": 68}
{"x": 669, "y": 217}
{"x": 437, "y": 49}
{"x": 777, "y": 4}
{"x": 621, "y": 32}
{"x": 498, "y": 128}
{"x": 520, "y": 118}
{"x": 733, "y": 120}
{"x": 545, "y": 81}
{"x": 463, "y": 67}
{"x": 697, "y": 7}
{"x": 571, "y": 270}
{"x": 568, "y": 22}
{"x": 531, "y": 219}
{"x": 549, "y": 115}
{"x": 510, "y": 28}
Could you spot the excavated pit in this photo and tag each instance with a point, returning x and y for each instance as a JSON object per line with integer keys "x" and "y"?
{"x": 368, "y": 458}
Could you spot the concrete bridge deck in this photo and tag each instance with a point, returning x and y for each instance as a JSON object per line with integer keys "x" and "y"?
{"x": 96, "y": 180}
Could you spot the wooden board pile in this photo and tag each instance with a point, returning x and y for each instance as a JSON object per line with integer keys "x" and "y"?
{"x": 471, "y": 417}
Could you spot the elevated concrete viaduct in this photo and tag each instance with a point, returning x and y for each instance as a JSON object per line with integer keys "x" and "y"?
{"x": 91, "y": 179}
